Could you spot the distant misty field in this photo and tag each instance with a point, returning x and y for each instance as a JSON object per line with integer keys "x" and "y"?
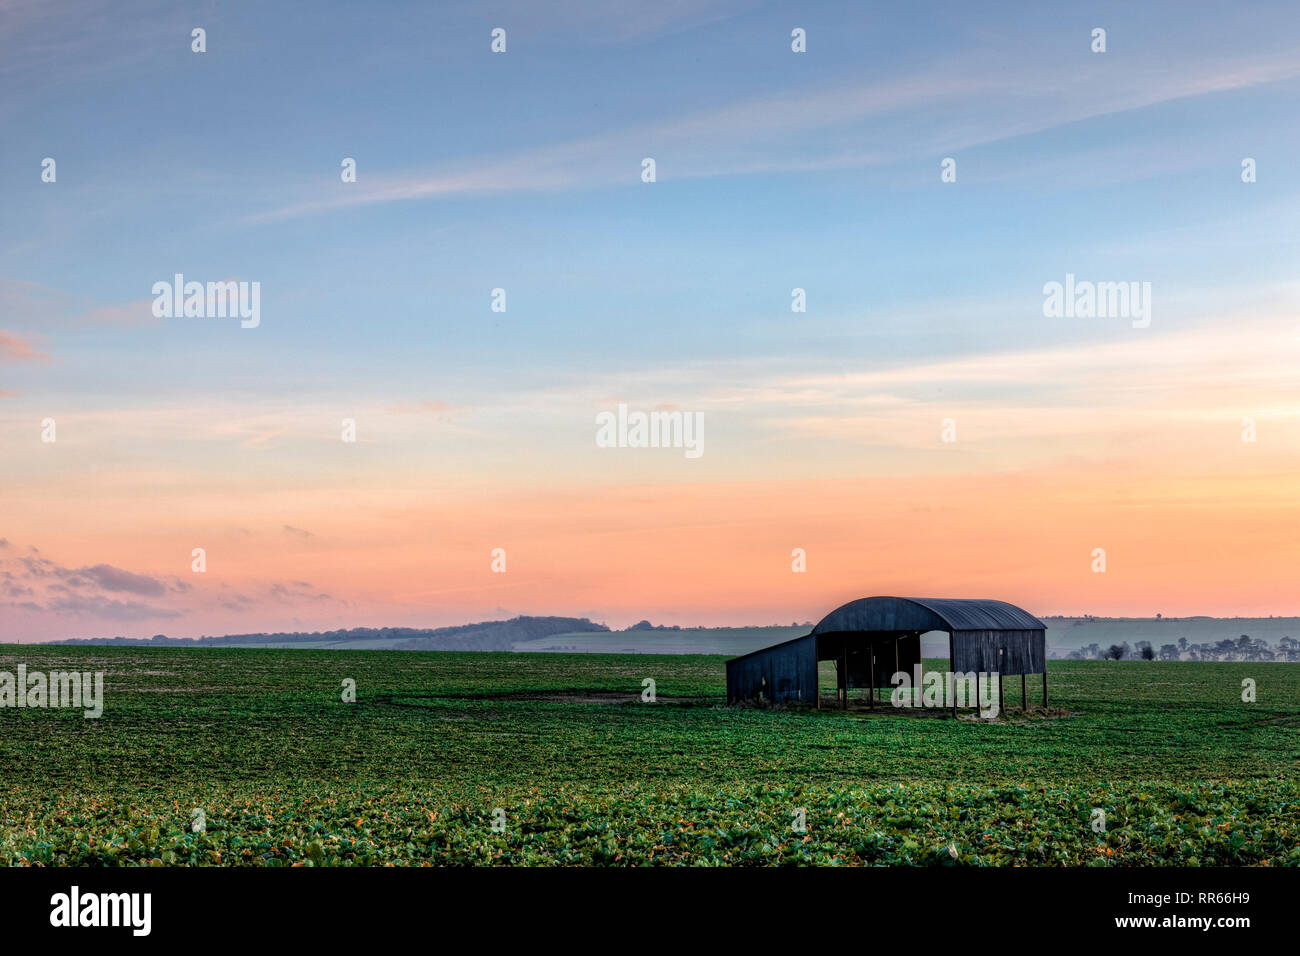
{"x": 251, "y": 757}
{"x": 1063, "y": 635}
{"x": 728, "y": 641}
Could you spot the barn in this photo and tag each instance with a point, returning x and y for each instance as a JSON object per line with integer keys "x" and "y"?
{"x": 872, "y": 638}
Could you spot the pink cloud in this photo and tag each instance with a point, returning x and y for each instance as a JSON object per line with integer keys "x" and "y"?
{"x": 14, "y": 348}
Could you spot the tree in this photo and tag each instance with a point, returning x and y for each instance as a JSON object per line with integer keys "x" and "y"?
{"x": 1115, "y": 652}
{"x": 1148, "y": 654}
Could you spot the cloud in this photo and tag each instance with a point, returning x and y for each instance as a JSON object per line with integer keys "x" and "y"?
{"x": 939, "y": 108}
{"x": 64, "y": 44}
{"x": 14, "y": 348}
{"x": 139, "y": 312}
{"x": 108, "y": 608}
{"x": 39, "y": 586}
{"x": 296, "y": 592}
{"x": 427, "y": 407}
{"x": 30, "y": 304}
{"x": 100, "y": 576}
{"x": 600, "y": 22}
{"x": 52, "y": 588}
{"x": 297, "y": 532}
{"x": 238, "y": 603}
{"x": 115, "y": 579}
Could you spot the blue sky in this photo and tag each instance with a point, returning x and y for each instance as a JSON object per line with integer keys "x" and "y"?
{"x": 522, "y": 170}
{"x": 775, "y": 170}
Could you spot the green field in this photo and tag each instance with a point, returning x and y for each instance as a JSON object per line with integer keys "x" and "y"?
{"x": 585, "y": 772}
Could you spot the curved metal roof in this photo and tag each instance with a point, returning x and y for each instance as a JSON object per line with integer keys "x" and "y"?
{"x": 927, "y": 614}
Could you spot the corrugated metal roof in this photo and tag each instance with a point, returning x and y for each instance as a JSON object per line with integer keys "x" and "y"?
{"x": 932, "y": 614}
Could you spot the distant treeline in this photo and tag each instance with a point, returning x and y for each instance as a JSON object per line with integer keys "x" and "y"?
{"x": 1244, "y": 648}
{"x": 483, "y": 636}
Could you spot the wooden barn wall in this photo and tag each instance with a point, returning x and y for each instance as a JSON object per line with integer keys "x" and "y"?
{"x": 1026, "y": 651}
{"x": 783, "y": 674}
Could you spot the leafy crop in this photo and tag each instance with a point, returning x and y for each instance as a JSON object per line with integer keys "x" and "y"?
{"x": 286, "y": 773}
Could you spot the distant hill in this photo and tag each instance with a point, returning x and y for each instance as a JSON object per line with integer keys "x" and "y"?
{"x": 483, "y": 636}
{"x": 1188, "y": 638}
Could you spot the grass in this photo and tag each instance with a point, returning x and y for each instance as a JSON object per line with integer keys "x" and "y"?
{"x": 585, "y": 772}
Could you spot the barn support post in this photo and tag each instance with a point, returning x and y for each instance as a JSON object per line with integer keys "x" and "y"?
{"x": 920, "y": 669}
{"x": 895, "y": 655}
{"x": 871, "y": 666}
{"x": 952, "y": 676}
{"x": 1002, "y": 664}
{"x": 844, "y": 657}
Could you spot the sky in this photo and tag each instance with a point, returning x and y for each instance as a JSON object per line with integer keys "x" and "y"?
{"x": 923, "y": 427}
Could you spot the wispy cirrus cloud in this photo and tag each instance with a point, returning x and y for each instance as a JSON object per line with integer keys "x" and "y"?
{"x": 941, "y": 108}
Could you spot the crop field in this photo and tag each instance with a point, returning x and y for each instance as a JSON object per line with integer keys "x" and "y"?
{"x": 448, "y": 758}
